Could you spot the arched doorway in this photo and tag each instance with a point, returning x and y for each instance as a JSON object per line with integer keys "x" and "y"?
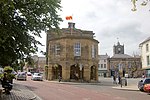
{"x": 93, "y": 73}
{"x": 76, "y": 72}
{"x": 56, "y": 71}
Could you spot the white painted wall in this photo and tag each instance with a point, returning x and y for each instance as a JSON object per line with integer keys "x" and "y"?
{"x": 144, "y": 54}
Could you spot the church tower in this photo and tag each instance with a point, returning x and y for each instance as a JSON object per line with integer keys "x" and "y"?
{"x": 118, "y": 49}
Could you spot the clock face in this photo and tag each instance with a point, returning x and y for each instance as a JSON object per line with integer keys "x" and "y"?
{"x": 119, "y": 49}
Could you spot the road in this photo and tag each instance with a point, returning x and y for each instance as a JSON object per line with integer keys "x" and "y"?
{"x": 57, "y": 91}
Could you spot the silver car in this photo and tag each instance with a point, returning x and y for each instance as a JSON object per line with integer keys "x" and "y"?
{"x": 21, "y": 76}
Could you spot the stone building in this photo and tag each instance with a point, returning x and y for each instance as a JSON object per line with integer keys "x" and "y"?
{"x": 38, "y": 64}
{"x": 121, "y": 64}
{"x": 72, "y": 54}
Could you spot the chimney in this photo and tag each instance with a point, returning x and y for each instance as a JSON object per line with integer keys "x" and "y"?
{"x": 71, "y": 25}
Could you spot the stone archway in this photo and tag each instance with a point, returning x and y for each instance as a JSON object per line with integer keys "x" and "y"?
{"x": 93, "y": 73}
{"x": 56, "y": 71}
{"x": 76, "y": 72}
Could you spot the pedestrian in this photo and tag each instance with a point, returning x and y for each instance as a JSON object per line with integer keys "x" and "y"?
{"x": 59, "y": 77}
{"x": 143, "y": 76}
{"x": 119, "y": 80}
{"x": 77, "y": 76}
{"x": 114, "y": 79}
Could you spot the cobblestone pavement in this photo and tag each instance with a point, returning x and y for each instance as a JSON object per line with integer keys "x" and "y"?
{"x": 20, "y": 92}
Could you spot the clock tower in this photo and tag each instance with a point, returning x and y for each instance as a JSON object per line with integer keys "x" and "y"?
{"x": 118, "y": 49}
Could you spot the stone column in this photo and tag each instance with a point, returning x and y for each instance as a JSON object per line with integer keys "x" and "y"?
{"x": 86, "y": 73}
{"x": 65, "y": 72}
{"x": 50, "y": 72}
{"x": 96, "y": 72}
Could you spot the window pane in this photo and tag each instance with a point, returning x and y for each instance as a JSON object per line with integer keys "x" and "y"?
{"x": 148, "y": 60}
{"x": 147, "y": 47}
{"x": 101, "y": 65}
{"x": 93, "y": 51}
{"x": 104, "y": 65}
{"x": 77, "y": 49}
{"x": 57, "y": 49}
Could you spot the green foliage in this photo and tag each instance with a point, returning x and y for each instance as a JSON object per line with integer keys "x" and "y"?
{"x": 143, "y": 3}
{"x": 46, "y": 66}
{"x": 8, "y": 69}
{"x": 20, "y": 22}
{"x": 30, "y": 61}
{"x": 10, "y": 76}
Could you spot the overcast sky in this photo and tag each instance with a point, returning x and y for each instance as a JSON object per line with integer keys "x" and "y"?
{"x": 109, "y": 20}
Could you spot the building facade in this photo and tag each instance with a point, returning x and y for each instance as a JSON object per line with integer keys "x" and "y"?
{"x": 145, "y": 56}
{"x": 103, "y": 66}
{"x": 72, "y": 54}
{"x": 121, "y": 64}
{"x": 38, "y": 64}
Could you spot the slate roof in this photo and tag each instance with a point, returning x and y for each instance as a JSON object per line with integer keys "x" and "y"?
{"x": 148, "y": 39}
{"x": 121, "y": 56}
{"x": 103, "y": 56}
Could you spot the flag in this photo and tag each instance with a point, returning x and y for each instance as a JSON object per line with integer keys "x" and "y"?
{"x": 68, "y": 17}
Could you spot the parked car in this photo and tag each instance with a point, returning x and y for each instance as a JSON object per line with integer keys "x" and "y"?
{"x": 143, "y": 83}
{"x": 14, "y": 72}
{"x": 1, "y": 70}
{"x": 37, "y": 77}
{"x": 147, "y": 88}
{"x": 21, "y": 76}
{"x": 29, "y": 73}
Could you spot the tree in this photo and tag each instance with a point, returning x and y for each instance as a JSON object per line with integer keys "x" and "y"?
{"x": 20, "y": 22}
{"x": 143, "y": 3}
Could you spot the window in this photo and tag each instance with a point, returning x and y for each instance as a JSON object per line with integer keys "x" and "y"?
{"x": 104, "y": 65}
{"x": 147, "y": 48}
{"x": 52, "y": 49}
{"x": 101, "y": 65}
{"x": 148, "y": 60}
{"x": 77, "y": 49}
{"x": 93, "y": 51}
{"x": 57, "y": 49}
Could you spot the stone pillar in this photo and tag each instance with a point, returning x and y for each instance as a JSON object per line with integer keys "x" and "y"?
{"x": 65, "y": 72}
{"x": 86, "y": 75}
{"x": 50, "y": 72}
{"x": 96, "y": 72}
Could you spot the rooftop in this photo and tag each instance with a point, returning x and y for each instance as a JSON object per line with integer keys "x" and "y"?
{"x": 121, "y": 56}
{"x": 148, "y": 39}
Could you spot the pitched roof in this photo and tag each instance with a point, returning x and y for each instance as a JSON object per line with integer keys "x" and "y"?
{"x": 121, "y": 56}
{"x": 148, "y": 39}
{"x": 103, "y": 56}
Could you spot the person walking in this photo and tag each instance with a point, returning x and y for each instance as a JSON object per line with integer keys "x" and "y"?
{"x": 119, "y": 80}
{"x": 59, "y": 77}
{"x": 114, "y": 79}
